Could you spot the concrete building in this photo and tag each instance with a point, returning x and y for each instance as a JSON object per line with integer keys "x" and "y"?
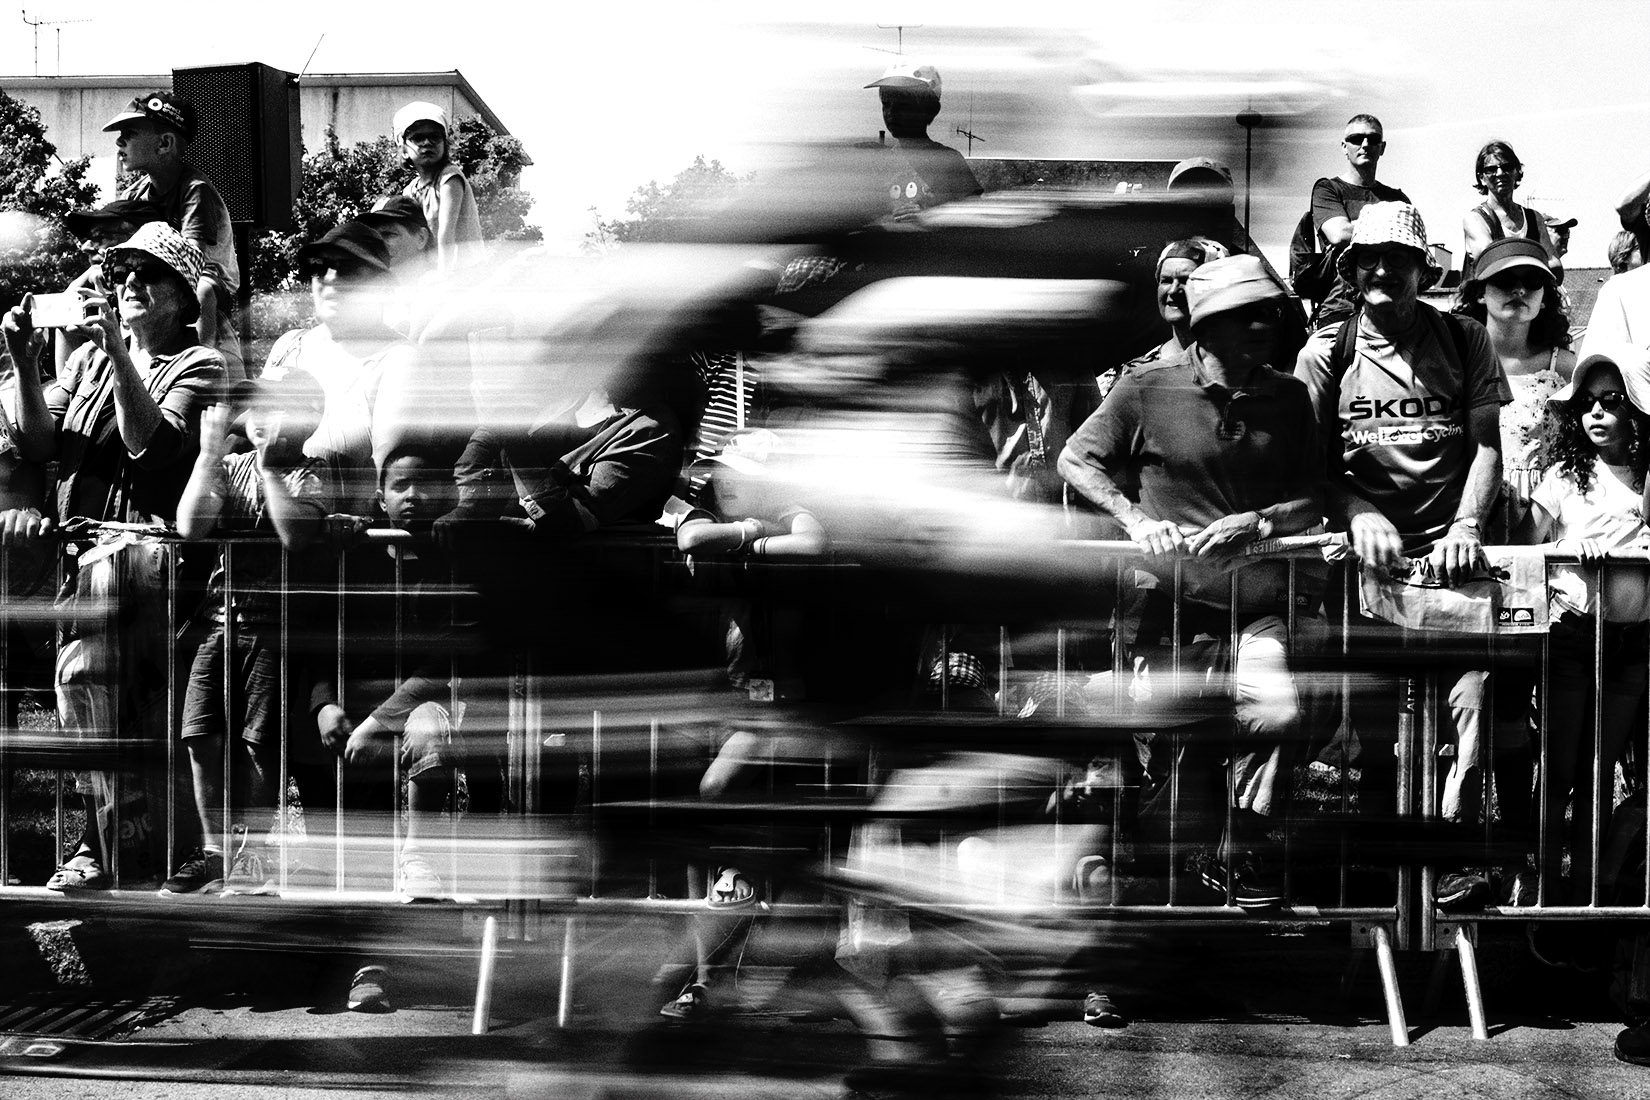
{"x": 359, "y": 106}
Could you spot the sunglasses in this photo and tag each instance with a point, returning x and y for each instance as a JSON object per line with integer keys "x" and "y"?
{"x": 1496, "y": 169}
{"x": 1609, "y": 401}
{"x": 315, "y": 269}
{"x": 1362, "y": 139}
{"x": 1509, "y": 281}
{"x": 1368, "y": 259}
{"x": 149, "y": 271}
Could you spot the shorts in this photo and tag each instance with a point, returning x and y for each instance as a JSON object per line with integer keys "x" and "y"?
{"x": 254, "y": 688}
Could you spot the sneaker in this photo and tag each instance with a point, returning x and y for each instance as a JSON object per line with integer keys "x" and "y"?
{"x": 1633, "y": 1045}
{"x": 200, "y": 873}
{"x": 1253, "y": 887}
{"x": 1098, "y": 1011}
{"x": 249, "y": 874}
{"x": 82, "y": 872}
{"x": 416, "y": 880}
{"x": 1462, "y": 890}
{"x": 369, "y": 990}
{"x": 1091, "y": 881}
{"x": 1523, "y": 889}
{"x": 731, "y": 891}
{"x": 692, "y": 1004}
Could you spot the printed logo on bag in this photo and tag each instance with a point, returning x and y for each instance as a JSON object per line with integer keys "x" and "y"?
{"x": 1515, "y": 616}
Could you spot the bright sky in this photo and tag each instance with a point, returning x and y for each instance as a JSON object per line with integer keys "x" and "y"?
{"x": 606, "y": 97}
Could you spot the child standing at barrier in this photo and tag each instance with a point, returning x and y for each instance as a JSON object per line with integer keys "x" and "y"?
{"x": 271, "y": 489}
{"x": 741, "y": 516}
{"x": 403, "y": 618}
{"x": 1590, "y": 501}
{"x": 440, "y": 187}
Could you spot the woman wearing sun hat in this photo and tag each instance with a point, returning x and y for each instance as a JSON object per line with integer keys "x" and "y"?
{"x": 122, "y": 421}
{"x": 1514, "y": 296}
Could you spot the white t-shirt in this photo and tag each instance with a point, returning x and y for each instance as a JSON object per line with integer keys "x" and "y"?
{"x": 1607, "y": 512}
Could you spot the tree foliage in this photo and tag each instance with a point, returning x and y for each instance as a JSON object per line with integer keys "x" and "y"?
{"x": 36, "y": 251}
{"x": 340, "y": 182}
{"x": 697, "y": 190}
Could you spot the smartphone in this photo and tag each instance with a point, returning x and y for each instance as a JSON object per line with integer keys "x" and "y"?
{"x": 64, "y": 310}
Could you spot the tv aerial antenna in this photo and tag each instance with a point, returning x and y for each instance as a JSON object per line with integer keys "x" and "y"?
{"x": 58, "y": 24}
{"x": 969, "y": 132}
{"x": 899, "y": 30}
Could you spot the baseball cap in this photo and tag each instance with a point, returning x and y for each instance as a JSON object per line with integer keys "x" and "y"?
{"x": 1231, "y": 283}
{"x": 748, "y": 451}
{"x": 911, "y": 75}
{"x": 1385, "y": 224}
{"x": 419, "y": 111}
{"x": 1508, "y": 253}
{"x": 130, "y": 211}
{"x": 158, "y": 106}
{"x": 1198, "y": 172}
{"x": 1555, "y": 221}
{"x": 167, "y": 245}
{"x": 351, "y": 240}
{"x": 1199, "y": 250}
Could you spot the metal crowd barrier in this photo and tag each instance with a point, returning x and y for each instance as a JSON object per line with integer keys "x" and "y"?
{"x": 566, "y": 874}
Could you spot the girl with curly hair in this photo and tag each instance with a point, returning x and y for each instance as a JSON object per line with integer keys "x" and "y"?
{"x": 1591, "y": 501}
{"x": 1513, "y": 295}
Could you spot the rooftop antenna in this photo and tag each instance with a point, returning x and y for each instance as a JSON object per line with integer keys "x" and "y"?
{"x": 305, "y": 70}
{"x": 969, "y": 133}
{"x": 899, "y": 29}
{"x": 57, "y": 23}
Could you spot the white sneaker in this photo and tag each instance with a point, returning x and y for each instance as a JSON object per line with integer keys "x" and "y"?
{"x": 416, "y": 880}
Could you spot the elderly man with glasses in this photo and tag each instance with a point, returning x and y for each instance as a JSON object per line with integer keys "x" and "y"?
{"x": 1409, "y": 403}
{"x": 1200, "y": 454}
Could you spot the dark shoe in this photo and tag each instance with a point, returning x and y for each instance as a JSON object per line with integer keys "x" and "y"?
{"x": 81, "y": 872}
{"x": 1523, "y": 889}
{"x": 200, "y": 873}
{"x": 369, "y": 990}
{"x": 732, "y": 890}
{"x": 691, "y": 1005}
{"x": 1460, "y": 890}
{"x": 1633, "y": 1045}
{"x": 1098, "y": 1011}
{"x": 1253, "y": 887}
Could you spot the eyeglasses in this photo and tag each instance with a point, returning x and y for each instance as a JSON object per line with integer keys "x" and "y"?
{"x": 1362, "y": 139}
{"x": 1609, "y": 401}
{"x": 1509, "y": 281}
{"x": 1368, "y": 259}
{"x": 149, "y": 271}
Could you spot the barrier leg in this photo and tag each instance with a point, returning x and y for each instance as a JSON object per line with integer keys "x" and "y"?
{"x": 484, "y": 980}
{"x": 1389, "y": 986}
{"x": 1465, "y": 948}
{"x": 564, "y": 993}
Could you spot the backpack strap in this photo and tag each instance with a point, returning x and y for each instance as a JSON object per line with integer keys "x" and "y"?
{"x": 1492, "y": 222}
{"x": 1346, "y": 339}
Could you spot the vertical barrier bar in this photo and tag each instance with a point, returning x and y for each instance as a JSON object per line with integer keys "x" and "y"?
{"x": 653, "y": 804}
{"x": 1544, "y": 778}
{"x": 1291, "y": 632}
{"x": 7, "y": 695}
{"x": 283, "y": 669}
{"x": 595, "y": 802}
{"x": 1344, "y": 840}
{"x": 1599, "y": 797}
{"x": 1175, "y": 739}
{"x": 1233, "y": 637}
{"x": 395, "y": 755}
{"x": 484, "y": 980}
{"x": 1117, "y": 673}
{"x": 230, "y": 735}
{"x": 1429, "y": 803}
{"x": 338, "y": 767}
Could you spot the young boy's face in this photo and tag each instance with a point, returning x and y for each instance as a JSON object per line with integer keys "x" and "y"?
{"x": 416, "y": 492}
{"x": 138, "y": 146}
{"x": 425, "y": 143}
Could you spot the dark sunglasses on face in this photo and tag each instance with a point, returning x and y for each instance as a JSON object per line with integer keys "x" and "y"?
{"x": 1609, "y": 401}
{"x": 1369, "y": 259}
{"x": 1362, "y": 139}
{"x": 316, "y": 269}
{"x": 149, "y": 271}
{"x": 1493, "y": 169}
{"x": 1508, "y": 282}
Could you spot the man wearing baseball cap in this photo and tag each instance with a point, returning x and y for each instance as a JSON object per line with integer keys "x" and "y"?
{"x": 152, "y": 134}
{"x": 1409, "y": 404}
{"x": 1223, "y": 449}
{"x": 928, "y": 173}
